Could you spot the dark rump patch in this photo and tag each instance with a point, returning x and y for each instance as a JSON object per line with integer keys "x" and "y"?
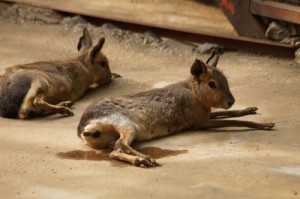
{"x": 13, "y": 89}
{"x": 88, "y": 114}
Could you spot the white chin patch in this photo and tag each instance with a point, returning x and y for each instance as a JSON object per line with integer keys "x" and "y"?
{"x": 225, "y": 106}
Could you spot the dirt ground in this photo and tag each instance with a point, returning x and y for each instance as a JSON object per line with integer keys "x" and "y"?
{"x": 43, "y": 157}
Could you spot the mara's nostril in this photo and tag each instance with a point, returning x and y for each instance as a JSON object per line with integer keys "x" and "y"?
{"x": 96, "y": 134}
{"x": 86, "y": 134}
{"x": 231, "y": 102}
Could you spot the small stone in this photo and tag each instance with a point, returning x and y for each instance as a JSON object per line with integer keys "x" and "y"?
{"x": 206, "y": 48}
{"x": 72, "y": 21}
{"x": 109, "y": 26}
{"x": 277, "y": 32}
{"x": 151, "y": 36}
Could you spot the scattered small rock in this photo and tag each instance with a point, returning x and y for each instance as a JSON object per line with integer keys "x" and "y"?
{"x": 109, "y": 26}
{"x": 151, "y": 36}
{"x": 21, "y": 14}
{"x": 206, "y": 48}
{"x": 283, "y": 32}
{"x": 277, "y": 32}
{"x": 72, "y": 21}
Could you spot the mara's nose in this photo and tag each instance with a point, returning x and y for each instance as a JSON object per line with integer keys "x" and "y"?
{"x": 230, "y": 101}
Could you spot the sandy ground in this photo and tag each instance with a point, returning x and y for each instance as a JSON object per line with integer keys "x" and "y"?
{"x": 43, "y": 157}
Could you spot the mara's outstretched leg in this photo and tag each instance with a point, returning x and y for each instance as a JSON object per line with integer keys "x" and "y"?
{"x": 238, "y": 123}
{"x": 50, "y": 108}
{"x": 124, "y": 152}
{"x": 233, "y": 113}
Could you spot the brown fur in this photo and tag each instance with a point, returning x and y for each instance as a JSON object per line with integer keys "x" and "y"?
{"x": 44, "y": 88}
{"x": 144, "y": 116}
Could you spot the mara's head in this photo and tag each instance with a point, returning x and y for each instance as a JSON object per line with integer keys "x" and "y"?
{"x": 210, "y": 85}
{"x": 95, "y": 60}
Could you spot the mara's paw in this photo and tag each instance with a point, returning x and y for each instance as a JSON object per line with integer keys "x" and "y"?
{"x": 145, "y": 162}
{"x": 65, "y": 111}
{"x": 66, "y": 104}
{"x": 266, "y": 126}
{"x": 115, "y": 75}
{"x": 249, "y": 110}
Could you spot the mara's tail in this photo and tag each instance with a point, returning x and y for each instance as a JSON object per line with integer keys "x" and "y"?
{"x": 13, "y": 89}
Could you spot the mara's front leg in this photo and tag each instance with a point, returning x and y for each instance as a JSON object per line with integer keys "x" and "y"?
{"x": 233, "y": 113}
{"x": 123, "y": 152}
{"x": 237, "y": 123}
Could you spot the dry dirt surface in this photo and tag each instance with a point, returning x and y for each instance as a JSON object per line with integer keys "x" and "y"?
{"x": 44, "y": 158}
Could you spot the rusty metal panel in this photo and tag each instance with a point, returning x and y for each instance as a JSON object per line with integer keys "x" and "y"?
{"x": 238, "y": 13}
{"x": 276, "y": 10}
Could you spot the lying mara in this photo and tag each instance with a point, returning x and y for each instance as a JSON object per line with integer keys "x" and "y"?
{"x": 118, "y": 122}
{"x": 45, "y": 88}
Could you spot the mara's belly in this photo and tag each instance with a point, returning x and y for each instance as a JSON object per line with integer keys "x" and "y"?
{"x": 62, "y": 92}
{"x": 149, "y": 134}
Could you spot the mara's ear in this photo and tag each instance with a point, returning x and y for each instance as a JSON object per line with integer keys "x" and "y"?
{"x": 213, "y": 59}
{"x": 198, "y": 68}
{"x": 85, "y": 40}
{"x": 96, "y": 49}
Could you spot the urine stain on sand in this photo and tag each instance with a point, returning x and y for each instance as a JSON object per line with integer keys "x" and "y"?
{"x": 154, "y": 152}
{"x": 157, "y": 153}
{"x": 84, "y": 155}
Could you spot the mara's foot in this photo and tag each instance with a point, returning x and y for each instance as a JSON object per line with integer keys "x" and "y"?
{"x": 266, "y": 126}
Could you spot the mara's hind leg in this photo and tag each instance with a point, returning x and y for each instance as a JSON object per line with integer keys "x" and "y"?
{"x": 133, "y": 159}
{"x": 233, "y": 113}
{"x": 33, "y": 103}
{"x": 60, "y": 108}
{"x": 124, "y": 152}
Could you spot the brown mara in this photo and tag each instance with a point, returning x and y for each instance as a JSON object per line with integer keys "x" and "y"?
{"x": 45, "y": 88}
{"x": 118, "y": 122}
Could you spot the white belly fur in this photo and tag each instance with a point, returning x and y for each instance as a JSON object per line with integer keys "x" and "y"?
{"x": 121, "y": 121}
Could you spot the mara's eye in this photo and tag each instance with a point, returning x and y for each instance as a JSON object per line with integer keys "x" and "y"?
{"x": 104, "y": 63}
{"x": 212, "y": 84}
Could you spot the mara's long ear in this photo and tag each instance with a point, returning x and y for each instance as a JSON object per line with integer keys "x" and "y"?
{"x": 96, "y": 49}
{"x": 198, "y": 68}
{"x": 213, "y": 59}
{"x": 85, "y": 40}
